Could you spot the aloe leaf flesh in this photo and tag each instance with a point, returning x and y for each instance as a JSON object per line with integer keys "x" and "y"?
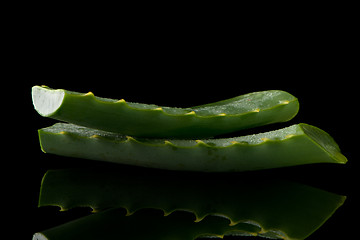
{"x": 146, "y": 120}
{"x": 294, "y": 145}
{"x": 277, "y": 208}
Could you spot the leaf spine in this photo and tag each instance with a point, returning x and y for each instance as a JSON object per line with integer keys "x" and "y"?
{"x": 95, "y": 136}
{"x": 94, "y": 210}
{"x": 121, "y": 101}
{"x": 190, "y": 113}
{"x": 201, "y": 143}
{"x": 62, "y": 209}
{"x": 167, "y": 213}
{"x": 128, "y": 212}
{"x": 198, "y": 219}
{"x": 128, "y": 138}
{"x": 284, "y": 102}
{"x": 232, "y": 223}
{"x": 89, "y": 94}
{"x": 256, "y": 110}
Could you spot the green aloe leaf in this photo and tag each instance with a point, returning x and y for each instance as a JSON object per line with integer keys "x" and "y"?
{"x": 294, "y": 145}
{"x": 146, "y": 120}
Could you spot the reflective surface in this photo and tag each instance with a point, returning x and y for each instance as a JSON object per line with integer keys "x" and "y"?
{"x": 332, "y": 180}
{"x": 241, "y": 204}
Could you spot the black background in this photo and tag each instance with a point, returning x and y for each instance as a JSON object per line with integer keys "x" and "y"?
{"x": 185, "y": 63}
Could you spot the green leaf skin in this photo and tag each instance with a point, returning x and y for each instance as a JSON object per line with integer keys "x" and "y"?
{"x": 144, "y": 120}
{"x": 273, "y": 208}
{"x": 294, "y": 145}
{"x": 113, "y": 225}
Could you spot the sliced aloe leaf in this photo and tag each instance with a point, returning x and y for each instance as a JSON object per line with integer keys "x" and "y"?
{"x": 294, "y": 145}
{"x": 147, "y": 120}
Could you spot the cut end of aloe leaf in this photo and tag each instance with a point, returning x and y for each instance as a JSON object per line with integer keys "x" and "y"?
{"x": 46, "y": 101}
{"x": 323, "y": 139}
{"x": 39, "y": 236}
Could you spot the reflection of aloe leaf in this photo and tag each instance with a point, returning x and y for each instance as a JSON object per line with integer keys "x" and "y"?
{"x": 286, "y": 208}
{"x": 112, "y": 224}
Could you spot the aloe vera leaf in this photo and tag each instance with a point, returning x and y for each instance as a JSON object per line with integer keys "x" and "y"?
{"x": 112, "y": 224}
{"x": 144, "y": 120}
{"x": 294, "y": 145}
{"x": 274, "y": 207}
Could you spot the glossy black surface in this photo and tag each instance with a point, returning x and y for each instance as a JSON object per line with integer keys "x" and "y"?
{"x": 313, "y": 109}
{"x": 186, "y": 73}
